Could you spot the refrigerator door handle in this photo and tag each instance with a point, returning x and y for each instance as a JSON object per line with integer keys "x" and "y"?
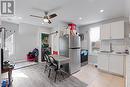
{"x": 75, "y": 48}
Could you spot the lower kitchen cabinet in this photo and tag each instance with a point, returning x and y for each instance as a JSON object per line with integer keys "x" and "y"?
{"x": 111, "y": 63}
{"x": 128, "y": 71}
{"x": 116, "y": 64}
{"x": 103, "y": 61}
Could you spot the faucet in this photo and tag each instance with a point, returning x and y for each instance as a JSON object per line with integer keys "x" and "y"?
{"x": 111, "y": 50}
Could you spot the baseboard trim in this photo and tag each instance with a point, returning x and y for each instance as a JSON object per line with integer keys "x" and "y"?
{"x": 20, "y": 61}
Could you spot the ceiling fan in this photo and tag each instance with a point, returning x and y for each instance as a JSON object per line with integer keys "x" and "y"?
{"x": 47, "y": 18}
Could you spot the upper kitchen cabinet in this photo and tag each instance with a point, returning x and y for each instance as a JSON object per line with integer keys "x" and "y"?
{"x": 114, "y": 30}
{"x": 117, "y": 30}
{"x": 105, "y": 31}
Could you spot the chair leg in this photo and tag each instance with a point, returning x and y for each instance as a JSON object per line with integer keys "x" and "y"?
{"x": 62, "y": 75}
{"x": 49, "y": 73}
{"x": 45, "y": 68}
{"x": 56, "y": 75}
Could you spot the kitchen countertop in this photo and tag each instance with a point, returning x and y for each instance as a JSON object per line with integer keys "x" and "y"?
{"x": 113, "y": 53}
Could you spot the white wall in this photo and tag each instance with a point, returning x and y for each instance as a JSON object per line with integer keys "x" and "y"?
{"x": 127, "y": 8}
{"x": 55, "y": 37}
{"x": 27, "y": 37}
{"x": 86, "y": 42}
{"x": 11, "y": 29}
{"x": 26, "y": 40}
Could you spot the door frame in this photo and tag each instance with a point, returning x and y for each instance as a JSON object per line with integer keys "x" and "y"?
{"x": 39, "y": 58}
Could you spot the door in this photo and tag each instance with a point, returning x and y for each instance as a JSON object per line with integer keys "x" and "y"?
{"x": 117, "y": 30}
{"x": 116, "y": 64}
{"x": 74, "y": 42}
{"x": 105, "y": 31}
{"x": 103, "y": 60}
{"x": 45, "y": 46}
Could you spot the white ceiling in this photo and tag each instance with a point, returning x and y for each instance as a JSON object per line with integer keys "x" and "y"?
{"x": 69, "y": 11}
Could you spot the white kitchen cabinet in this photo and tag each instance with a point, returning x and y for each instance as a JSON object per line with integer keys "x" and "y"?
{"x": 105, "y": 31}
{"x": 128, "y": 71}
{"x": 116, "y": 64}
{"x": 117, "y": 30}
{"x": 114, "y": 30}
{"x": 103, "y": 61}
{"x": 112, "y": 63}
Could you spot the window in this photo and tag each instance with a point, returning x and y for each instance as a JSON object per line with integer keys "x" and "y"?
{"x": 94, "y": 39}
{"x": 9, "y": 45}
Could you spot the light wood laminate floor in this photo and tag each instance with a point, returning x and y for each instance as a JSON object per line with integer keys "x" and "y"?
{"x": 88, "y": 76}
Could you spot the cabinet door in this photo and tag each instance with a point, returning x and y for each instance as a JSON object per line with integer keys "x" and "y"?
{"x": 116, "y": 64}
{"x": 74, "y": 55}
{"x": 117, "y": 30}
{"x": 103, "y": 61}
{"x": 105, "y": 31}
{"x": 128, "y": 71}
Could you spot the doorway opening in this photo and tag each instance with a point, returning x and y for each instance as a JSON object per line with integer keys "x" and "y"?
{"x": 45, "y": 46}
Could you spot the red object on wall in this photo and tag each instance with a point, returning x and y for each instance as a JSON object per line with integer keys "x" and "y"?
{"x": 72, "y": 26}
{"x": 55, "y": 52}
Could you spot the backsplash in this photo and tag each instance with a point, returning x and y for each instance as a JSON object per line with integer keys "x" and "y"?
{"x": 117, "y": 45}
{"x": 105, "y": 45}
{"x": 128, "y": 42}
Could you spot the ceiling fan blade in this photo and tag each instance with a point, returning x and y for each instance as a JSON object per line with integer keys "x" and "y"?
{"x": 38, "y": 9}
{"x": 54, "y": 9}
{"x": 36, "y": 16}
{"x": 52, "y": 16}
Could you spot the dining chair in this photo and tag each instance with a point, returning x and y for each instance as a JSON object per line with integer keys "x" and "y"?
{"x": 54, "y": 67}
{"x": 48, "y": 63}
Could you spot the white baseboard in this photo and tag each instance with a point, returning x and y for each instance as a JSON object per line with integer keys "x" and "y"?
{"x": 19, "y": 61}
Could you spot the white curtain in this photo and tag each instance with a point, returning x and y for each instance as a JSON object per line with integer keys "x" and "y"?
{"x": 9, "y": 47}
{"x": 94, "y": 34}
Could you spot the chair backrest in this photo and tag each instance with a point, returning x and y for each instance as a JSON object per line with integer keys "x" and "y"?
{"x": 50, "y": 60}
{"x": 53, "y": 61}
{"x": 46, "y": 58}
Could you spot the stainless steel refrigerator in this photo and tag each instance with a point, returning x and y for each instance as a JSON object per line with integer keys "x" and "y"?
{"x": 74, "y": 54}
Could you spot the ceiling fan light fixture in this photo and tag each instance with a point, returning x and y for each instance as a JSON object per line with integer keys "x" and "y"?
{"x": 45, "y": 20}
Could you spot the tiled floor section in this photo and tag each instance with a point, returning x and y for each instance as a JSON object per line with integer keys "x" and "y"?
{"x": 88, "y": 76}
{"x": 23, "y": 64}
{"x": 95, "y": 78}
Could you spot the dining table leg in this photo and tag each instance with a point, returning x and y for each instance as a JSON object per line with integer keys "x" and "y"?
{"x": 58, "y": 65}
{"x": 10, "y": 77}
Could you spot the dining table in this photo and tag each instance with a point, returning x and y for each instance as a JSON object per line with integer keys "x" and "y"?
{"x": 61, "y": 59}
